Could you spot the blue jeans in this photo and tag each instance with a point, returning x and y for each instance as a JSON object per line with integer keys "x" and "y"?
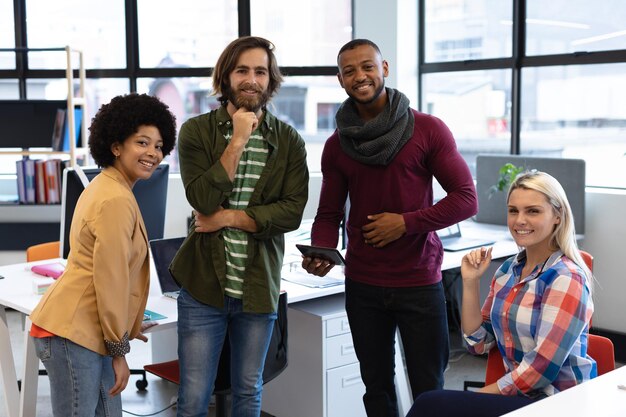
{"x": 374, "y": 314}
{"x": 201, "y": 335}
{"x": 80, "y": 379}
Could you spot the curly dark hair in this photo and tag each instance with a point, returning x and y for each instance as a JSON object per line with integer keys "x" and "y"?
{"x": 122, "y": 117}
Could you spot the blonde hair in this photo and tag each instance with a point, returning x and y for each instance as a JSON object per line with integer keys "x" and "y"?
{"x": 564, "y": 234}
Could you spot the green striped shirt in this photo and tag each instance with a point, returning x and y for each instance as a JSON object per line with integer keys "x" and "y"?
{"x": 251, "y": 165}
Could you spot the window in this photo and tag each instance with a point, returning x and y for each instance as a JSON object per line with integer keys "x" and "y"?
{"x": 7, "y": 35}
{"x": 566, "y": 26}
{"x": 133, "y": 45}
{"x": 101, "y": 91}
{"x": 305, "y": 33}
{"x": 464, "y": 30}
{"x": 578, "y": 111}
{"x": 192, "y": 34}
{"x": 475, "y": 105}
{"x": 560, "y": 92}
{"x": 97, "y": 28}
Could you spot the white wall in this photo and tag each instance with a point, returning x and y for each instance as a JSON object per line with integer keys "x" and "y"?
{"x": 396, "y": 37}
{"x": 605, "y": 239}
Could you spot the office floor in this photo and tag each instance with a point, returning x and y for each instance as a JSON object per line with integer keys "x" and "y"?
{"x": 159, "y": 393}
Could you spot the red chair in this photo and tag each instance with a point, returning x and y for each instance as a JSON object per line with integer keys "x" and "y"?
{"x": 602, "y": 350}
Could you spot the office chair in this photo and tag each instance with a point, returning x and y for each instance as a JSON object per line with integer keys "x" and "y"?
{"x": 275, "y": 361}
{"x": 42, "y": 251}
{"x": 602, "y": 350}
{"x": 601, "y": 347}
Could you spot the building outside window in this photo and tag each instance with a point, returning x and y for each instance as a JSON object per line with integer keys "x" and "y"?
{"x": 546, "y": 79}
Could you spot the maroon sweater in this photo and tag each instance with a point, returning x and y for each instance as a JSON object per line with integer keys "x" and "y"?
{"x": 404, "y": 186}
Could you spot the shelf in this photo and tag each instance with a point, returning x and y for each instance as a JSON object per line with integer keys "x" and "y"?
{"x": 77, "y": 151}
{"x": 30, "y": 213}
{"x": 72, "y": 102}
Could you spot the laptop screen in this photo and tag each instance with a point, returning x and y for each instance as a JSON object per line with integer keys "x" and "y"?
{"x": 163, "y": 251}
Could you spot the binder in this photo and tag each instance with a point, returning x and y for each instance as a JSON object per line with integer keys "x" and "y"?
{"x": 21, "y": 181}
{"x": 53, "y": 183}
{"x": 40, "y": 181}
{"x": 29, "y": 177}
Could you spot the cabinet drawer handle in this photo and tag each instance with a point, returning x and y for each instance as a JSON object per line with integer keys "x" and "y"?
{"x": 347, "y": 349}
{"x": 345, "y": 325}
{"x": 350, "y": 380}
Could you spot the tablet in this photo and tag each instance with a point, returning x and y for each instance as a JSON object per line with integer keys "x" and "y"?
{"x": 329, "y": 254}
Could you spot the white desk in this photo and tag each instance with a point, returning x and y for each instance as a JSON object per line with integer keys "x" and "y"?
{"x": 16, "y": 292}
{"x": 599, "y": 397}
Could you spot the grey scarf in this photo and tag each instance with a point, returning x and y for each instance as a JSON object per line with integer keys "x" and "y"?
{"x": 377, "y": 141}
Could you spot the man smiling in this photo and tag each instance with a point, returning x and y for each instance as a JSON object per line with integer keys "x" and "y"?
{"x": 245, "y": 175}
{"x": 393, "y": 261}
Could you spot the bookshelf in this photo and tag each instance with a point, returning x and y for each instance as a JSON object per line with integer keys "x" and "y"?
{"x": 29, "y": 224}
{"x": 73, "y": 100}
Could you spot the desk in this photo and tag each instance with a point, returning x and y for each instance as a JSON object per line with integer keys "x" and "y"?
{"x": 599, "y": 397}
{"x": 16, "y": 292}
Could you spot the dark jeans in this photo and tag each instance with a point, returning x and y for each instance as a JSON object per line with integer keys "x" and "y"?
{"x": 444, "y": 403}
{"x": 374, "y": 314}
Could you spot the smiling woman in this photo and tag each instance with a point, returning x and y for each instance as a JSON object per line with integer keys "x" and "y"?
{"x": 83, "y": 325}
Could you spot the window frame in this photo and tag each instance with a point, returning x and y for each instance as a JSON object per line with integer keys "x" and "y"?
{"x": 518, "y": 61}
{"x": 132, "y": 71}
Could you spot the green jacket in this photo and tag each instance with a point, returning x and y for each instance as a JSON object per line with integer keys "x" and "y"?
{"x": 276, "y": 206}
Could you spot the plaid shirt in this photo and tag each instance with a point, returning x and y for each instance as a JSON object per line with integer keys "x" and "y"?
{"x": 540, "y": 324}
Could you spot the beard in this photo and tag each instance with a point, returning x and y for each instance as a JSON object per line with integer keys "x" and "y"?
{"x": 253, "y": 104}
{"x": 374, "y": 97}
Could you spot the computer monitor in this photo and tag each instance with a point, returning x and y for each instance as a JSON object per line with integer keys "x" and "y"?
{"x": 28, "y": 123}
{"x": 492, "y": 205}
{"x": 151, "y": 195}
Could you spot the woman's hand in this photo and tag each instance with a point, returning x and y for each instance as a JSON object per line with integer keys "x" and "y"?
{"x": 145, "y": 325}
{"x": 490, "y": 389}
{"x": 122, "y": 374}
{"x": 475, "y": 263}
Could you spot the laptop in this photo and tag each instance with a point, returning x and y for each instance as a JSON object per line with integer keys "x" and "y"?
{"x": 453, "y": 241}
{"x": 163, "y": 251}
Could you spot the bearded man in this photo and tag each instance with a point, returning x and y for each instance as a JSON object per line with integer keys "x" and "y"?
{"x": 245, "y": 175}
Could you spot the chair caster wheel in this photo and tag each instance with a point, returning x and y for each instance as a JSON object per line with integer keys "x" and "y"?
{"x": 141, "y": 384}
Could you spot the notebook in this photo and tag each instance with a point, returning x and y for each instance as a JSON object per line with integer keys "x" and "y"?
{"x": 453, "y": 241}
{"x": 293, "y": 272}
{"x": 163, "y": 251}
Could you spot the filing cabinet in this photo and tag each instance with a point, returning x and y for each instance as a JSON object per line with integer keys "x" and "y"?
{"x": 323, "y": 377}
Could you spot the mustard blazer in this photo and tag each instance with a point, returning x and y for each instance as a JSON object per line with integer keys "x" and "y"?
{"x": 99, "y": 301}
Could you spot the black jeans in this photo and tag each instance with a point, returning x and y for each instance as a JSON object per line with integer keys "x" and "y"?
{"x": 374, "y": 314}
